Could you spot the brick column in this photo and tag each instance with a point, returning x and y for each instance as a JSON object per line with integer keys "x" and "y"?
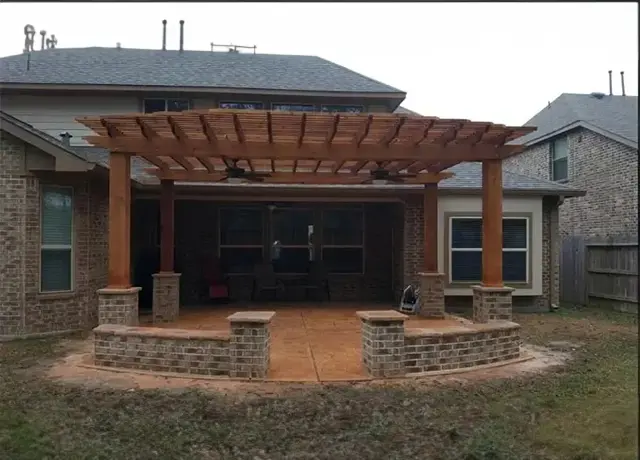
{"x": 431, "y": 295}
{"x": 491, "y": 304}
{"x": 249, "y": 344}
{"x": 118, "y": 306}
{"x": 166, "y": 296}
{"x": 383, "y": 342}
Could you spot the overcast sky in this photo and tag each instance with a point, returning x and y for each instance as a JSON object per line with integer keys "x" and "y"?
{"x": 496, "y": 62}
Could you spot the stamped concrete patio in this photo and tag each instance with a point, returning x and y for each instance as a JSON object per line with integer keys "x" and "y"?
{"x": 310, "y": 342}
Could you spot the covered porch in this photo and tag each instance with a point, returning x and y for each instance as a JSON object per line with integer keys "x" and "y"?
{"x": 282, "y": 148}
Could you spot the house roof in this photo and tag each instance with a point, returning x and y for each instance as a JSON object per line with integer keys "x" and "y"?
{"x": 67, "y": 158}
{"x": 467, "y": 179}
{"x": 615, "y": 117}
{"x": 186, "y": 69}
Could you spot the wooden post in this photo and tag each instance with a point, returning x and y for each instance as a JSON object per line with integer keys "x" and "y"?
{"x": 492, "y": 223}
{"x": 431, "y": 228}
{"x": 166, "y": 226}
{"x": 119, "y": 220}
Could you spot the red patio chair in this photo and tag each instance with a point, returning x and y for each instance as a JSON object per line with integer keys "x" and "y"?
{"x": 217, "y": 282}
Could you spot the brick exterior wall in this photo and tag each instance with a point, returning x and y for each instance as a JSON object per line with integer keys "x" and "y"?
{"x": 606, "y": 169}
{"x": 23, "y": 309}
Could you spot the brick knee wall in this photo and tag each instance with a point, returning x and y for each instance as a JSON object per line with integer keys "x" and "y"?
{"x": 461, "y": 347}
{"x": 492, "y": 304}
{"x": 162, "y": 350}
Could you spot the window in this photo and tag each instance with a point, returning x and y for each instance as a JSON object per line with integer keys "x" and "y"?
{"x": 342, "y": 108}
{"x": 56, "y": 239}
{"x": 291, "y": 240}
{"x": 465, "y": 261}
{"x": 294, "y": 107}
{"x": 242, "y": 105}
{"x": 559, "y": 156}
{"x": 343, "y": 240}
{"x": 165, "y": 105}
{"x": 241, "y": 244}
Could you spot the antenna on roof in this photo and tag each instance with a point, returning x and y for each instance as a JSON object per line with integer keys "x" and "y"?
{"x": 164, "y": 35}
{"x": 234, "y": 48}
{"x": 51, "y": 42}
{"x": 29, "y": 32}
{"x": 622, "y": 81}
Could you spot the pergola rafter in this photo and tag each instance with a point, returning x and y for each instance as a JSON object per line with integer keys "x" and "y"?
{"x": 298, "y": 147}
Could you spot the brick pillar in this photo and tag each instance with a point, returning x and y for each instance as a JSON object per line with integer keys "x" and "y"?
{"x": 431, "y": 295}
{"x": 383, "y": 342}
{"x": 118, "y": 306}
{"x": 491, "y": 304}
{"x": 166, "y": 296}
{"x": 249, "y": 344}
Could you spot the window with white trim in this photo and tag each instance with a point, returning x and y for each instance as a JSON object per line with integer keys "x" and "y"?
{"x": 56, "y": 239}
{"x": 165, "y": 105}
{"x": 241, "y": 239}
{"x": 343, "y": 240}
{"x": 559, "y": 159}
{"x": 465, "y": 246}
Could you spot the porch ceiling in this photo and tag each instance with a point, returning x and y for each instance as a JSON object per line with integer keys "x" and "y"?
{"x": 301, "y": 148}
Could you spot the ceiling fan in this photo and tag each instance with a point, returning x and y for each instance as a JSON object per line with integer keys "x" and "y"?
{"x": 234, "y": 173}
{"x": 381, "y": 175}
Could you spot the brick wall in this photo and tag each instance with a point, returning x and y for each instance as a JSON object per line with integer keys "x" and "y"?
{"x": 23, "y": 309}
{"x": 606, "y": 169}
{"x": 162, "y": 350}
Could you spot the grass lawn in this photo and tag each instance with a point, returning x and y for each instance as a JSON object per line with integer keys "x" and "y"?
{"x": 585, "y": 410}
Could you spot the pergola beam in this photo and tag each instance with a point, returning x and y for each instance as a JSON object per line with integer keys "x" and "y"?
{"x": 292, "y": 178}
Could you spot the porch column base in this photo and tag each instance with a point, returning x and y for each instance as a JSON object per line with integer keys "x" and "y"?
{"x": 383, "y": 342}
{"x": 166, "y": 297}
{"x": 431, "y": 295}
{"x": 492, "y": 303}
{"x": 250, "y": 344}
{"x": 118, "y": 306}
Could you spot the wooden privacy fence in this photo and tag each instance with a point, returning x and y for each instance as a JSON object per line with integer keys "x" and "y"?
{"x": 600, "y": 273}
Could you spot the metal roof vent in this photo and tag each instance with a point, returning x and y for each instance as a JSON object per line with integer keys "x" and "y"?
{"x": 597, "y": 95}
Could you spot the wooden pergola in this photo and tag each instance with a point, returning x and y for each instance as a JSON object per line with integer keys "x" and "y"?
{"x": 299, "y": 148}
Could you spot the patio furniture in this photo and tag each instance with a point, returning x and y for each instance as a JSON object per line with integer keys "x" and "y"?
{"x": 217, "y": 282}
{"x": 318, "y": 280}
{"x": 265, "y": 279}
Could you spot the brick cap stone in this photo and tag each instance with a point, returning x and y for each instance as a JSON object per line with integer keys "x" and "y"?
{"x": 461, "y": 330}
{"x": 381, "y": 315}
{"x": 158, "y": 332}
{"x": 503, "y": 289}
{"x": 118, "y": 291}
{"x": 430, "y": 274}
{"x": 252, "y": 317}
{"x": 166, "y": 275}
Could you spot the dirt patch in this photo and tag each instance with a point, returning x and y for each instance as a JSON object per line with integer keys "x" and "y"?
{"x": 74, "y": 369}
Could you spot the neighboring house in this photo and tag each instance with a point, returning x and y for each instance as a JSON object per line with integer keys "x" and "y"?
{"x": 53, "y": 214}
{"x": 588, "y": 142}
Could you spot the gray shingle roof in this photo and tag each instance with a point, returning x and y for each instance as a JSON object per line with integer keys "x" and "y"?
{"x": 197, "y": 69}
{"x": 613, "y": 115}
{"x": 468, "y": 177}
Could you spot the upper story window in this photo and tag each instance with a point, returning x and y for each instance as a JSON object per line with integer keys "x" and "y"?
{"x": 559, "y": 157}
{"x": 56, "y": 239}
{"x": 294, "y": 107}
{"x": 242, "y": 105}
{"x": 165, "y": 105}
{"x": 342, "y": 109}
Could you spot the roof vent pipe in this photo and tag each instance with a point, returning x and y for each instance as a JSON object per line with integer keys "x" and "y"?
{"x": 610, "y": 84}
{"x": 43, "y": 34}
{"x": 181, "y": 35}
{"x": 66, "y": 137}
{"x": 622, "y": 81}
{"x": 164, "y": 35}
